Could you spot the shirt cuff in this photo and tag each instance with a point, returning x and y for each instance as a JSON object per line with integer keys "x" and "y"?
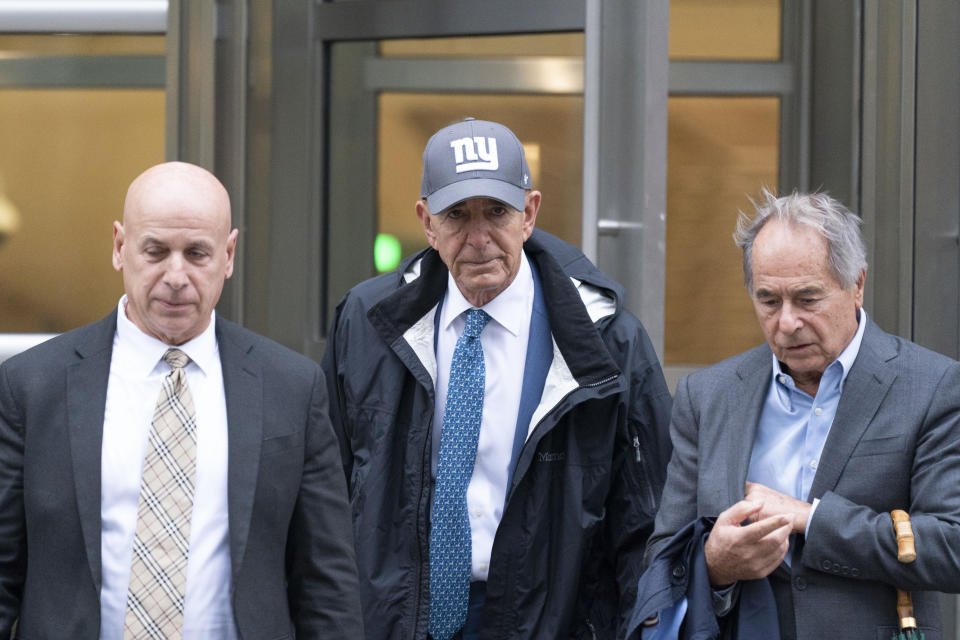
{"x": 813, "y": 508}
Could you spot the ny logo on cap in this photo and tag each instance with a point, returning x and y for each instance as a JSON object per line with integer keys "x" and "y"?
{"x": 476, "y": 153}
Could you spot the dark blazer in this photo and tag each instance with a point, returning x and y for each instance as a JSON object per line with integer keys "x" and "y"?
{"x": 894, "y": 444}
{"x": 291, "y": 547}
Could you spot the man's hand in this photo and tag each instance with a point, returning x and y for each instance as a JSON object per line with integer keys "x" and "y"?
{"x": 736, "y": 551}
{"x": 775, "y": 503}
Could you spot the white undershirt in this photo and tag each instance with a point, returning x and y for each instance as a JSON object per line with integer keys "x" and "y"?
{"x": 504, "y": 342}
{"x": 136, "y": 372}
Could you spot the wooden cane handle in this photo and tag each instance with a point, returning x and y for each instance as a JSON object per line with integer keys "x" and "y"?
{"x": 901, "y": 526}
{"x": 905, "y": 610}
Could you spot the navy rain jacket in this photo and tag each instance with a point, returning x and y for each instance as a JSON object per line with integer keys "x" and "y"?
{"x": 581, "y": 503}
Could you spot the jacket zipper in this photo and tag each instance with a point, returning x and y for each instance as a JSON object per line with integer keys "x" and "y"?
{"x": 643, "y": 472}
{"x": 609, "y": 378}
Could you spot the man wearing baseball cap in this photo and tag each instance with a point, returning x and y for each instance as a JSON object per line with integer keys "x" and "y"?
{"x": 502, "y": 419}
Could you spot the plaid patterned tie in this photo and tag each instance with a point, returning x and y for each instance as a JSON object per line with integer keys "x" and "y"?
{"x": 450, "y": 539}
{"x": 158, "y": 572}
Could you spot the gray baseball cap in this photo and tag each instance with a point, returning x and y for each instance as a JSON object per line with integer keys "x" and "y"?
{"x": 474, "y": 159}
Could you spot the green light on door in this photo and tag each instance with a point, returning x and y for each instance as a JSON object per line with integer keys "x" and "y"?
{"x": 386, "y": 252}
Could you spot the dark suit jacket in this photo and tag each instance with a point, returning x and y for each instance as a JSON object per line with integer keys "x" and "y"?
{"x": 894, "y": 444}
{"x": 291, "y": 547}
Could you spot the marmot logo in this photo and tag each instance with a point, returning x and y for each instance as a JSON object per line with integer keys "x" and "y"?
{"x": 477, "y": 153}
{"x": 551, "y": 457}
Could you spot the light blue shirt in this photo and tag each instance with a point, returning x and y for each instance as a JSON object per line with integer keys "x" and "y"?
{"x": 794, "y": 426}
{"x": 668, "y": 624}
{"x": 791, "y": 433}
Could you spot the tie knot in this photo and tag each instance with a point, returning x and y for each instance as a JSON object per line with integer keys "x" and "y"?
{"x": 176, "y": 358}
{"x": 477, "y": 319}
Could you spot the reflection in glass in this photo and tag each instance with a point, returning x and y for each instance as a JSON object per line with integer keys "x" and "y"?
{"x": 725, "y": 29}
{"x": 721, "y": 151}
{"x": 24, "y": 45}
{"x": 68, "y": 156}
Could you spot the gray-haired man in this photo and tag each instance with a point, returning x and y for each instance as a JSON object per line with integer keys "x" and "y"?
{"x": 801, "y": 447}
{"x": 502, "y": 418}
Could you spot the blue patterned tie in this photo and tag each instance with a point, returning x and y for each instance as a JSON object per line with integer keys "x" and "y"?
{"x": 450, "y": 542}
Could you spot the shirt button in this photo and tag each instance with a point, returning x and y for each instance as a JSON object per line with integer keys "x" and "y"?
{"x": 782, "y": 379}
{"x": 477, "y": 512}
{"x": 484, "y": 566}
{"x": 818, "y": 411}
{"x": 813, "y": 465}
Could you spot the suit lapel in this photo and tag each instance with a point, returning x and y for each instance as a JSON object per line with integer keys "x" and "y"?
{"x": 745, "y": 398}
{"x": 865, "y": 388}
{"x": 243, "y": 389}
{"x": 86, "y": 392}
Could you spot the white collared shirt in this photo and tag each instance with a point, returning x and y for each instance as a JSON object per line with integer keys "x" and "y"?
{"x": 504, "y": 341}
{"x": 136, "y": 372}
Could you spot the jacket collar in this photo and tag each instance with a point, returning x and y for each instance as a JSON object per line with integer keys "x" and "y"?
{"x": 556, "y": 262}
{"x": 573, "y": 329}
{"x": 867, "y": 384}
{"x": 86, "y": 394}
{"x": 747, "y": 392}
{"x": 243, "y": 391}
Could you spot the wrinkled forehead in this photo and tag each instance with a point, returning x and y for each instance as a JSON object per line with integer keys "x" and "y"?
{"x": 791, "y": 257}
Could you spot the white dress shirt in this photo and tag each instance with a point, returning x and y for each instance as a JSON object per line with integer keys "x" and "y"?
{"x": 504, "y": 341}
{"x": 136, "y": 372}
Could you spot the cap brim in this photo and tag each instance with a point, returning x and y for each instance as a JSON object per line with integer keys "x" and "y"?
{"x": 477, "y": 188}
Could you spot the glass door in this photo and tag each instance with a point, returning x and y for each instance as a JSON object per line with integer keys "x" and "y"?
{"x": 81, "y": 114}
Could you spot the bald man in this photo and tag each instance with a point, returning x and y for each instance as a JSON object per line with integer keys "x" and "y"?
{"x": 165, "y": 473}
